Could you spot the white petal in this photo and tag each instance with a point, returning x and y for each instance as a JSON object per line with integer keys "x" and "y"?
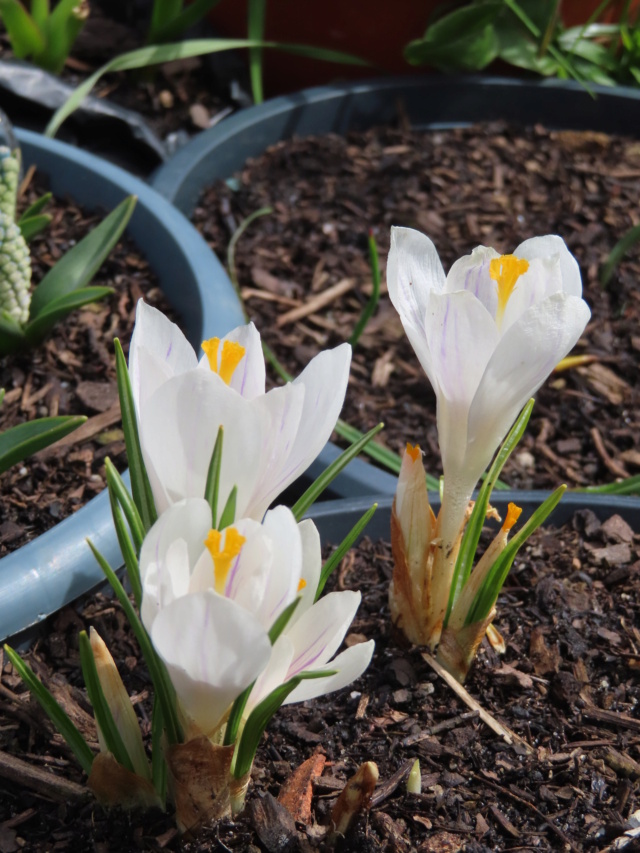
{"x": 281, "y": 527}
{"x": 168, "y": 553}
{"x": 463, "y": 336}
{"x": 414, "y": 271}
{"x": 471, "y": 273}
{"x": 311, "y": 565}
{"x": 526, "y": 355}
{"x": 541, "y": 280}
{"x": 547, "y": 247}
{"x": 213, "y": 650}
{"x": 178, "y": 429}
{"x": 158, "y": 351}
{"x": 317, "y": 634}
{"x": 350, "y": 664}
{"x": 273, "y": 675}
{"x": 324, "y": 381}
{"x": 279, "y": 413}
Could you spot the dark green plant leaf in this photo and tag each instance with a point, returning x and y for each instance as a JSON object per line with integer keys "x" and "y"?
{"x": 372, "y": 303}
{"x": 140, "y": 486}
{"x": 171, "y": 26}
{"x": 464, "y": 39}
{"x": 336, "y": 558}
{"x": 126, "y": 545}
{"x": 489, "y": 591}
{"x": 259, "y": 719}
{"x": 161, "y": 682}
{"x": 121, "y": 494}
{"x": 473, "y": 530}
{"x": 33, "y": 225}
{"x": 256, "y": 10}
{"x": 25, "y": 37}
{"x": 12, "y": 338}
{"x": 228, "y": 514}
{"x": 36, "y": 208}
{"x": 19, "y": 442}
{"x": 624, "y": 244}
{"x": 330, "y": 473}
{"x": 159, "y": 773}
{"x": 212, "y": 486}
{"x": 629, "y": 486}
{"x": 38, "y": 328}
{"x": 77, "y": 744}
{"x": 78, "y": 266}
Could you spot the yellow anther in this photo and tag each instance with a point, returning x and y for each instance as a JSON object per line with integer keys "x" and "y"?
{"x": 505, "y": 271}
{"x": 301, "y": 584}
{"x": 413, "y": 450}
{"x": 513, "y": 514}
{"x": 223, "y": 556}
{"x": 232, "y": 355}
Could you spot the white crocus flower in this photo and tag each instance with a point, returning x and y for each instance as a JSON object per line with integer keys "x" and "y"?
{"x": 269, "y": 438}
{"x": 487, "y": 335}
{"x": 210, "y": 598}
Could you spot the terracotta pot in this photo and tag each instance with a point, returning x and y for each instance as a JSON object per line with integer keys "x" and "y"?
{"x": 375, "y": 32}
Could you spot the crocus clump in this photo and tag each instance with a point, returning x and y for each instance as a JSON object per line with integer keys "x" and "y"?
{"x": 487, "y": 335}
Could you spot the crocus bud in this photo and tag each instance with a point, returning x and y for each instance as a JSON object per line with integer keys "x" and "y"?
{"x": 412, "y": 527}
{"x": 119, "y": 704}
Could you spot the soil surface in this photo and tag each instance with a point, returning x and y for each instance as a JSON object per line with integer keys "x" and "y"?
{"x": 71, "y": 373}
{"x": 304, "y": 274}
{"x": 568, "y": 686}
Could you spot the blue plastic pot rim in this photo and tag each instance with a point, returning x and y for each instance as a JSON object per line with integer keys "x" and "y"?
{"x": 58, "y": 566}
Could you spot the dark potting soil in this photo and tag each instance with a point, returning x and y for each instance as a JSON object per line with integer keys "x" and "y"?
{"x": 568, "y": 686}
{"x": 71, "y": 373}
{"x": 304, "y": 274}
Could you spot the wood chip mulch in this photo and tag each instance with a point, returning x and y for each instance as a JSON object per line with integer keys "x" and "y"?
{"x": 71, "y": 373}
{"x": 304, "y": 275}
{"x": 568, "y": 686}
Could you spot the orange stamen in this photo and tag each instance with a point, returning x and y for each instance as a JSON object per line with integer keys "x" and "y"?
{"x": 223, "y": 556}
{"x": 513, "y": 514}
{"x": 232, "y": 355}
{"x": 505, "y": 271}
{"x": 302, "y": 584}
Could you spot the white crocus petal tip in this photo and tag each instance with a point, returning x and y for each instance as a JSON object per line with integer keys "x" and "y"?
{"x": 158, "y": 351}
{"x": 348, "y": 665}
{"x": 213, "y": 650}
{"x": 553, "y": 246}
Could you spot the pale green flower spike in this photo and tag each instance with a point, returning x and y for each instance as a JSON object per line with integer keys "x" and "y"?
{"x": 15, "y": 271}
{"x": 9, "y": 177}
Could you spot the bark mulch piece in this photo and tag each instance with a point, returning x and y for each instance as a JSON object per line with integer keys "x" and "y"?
{"x": 71, "y": 373}
{"x": 568, "y": 685}
{"x": 489, "y": 184}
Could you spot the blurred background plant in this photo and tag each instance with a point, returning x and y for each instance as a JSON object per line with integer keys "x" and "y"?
{"x": 530, "y": 34}
{"x": 26, "y": 315}
{"x": 41, "y": 34}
